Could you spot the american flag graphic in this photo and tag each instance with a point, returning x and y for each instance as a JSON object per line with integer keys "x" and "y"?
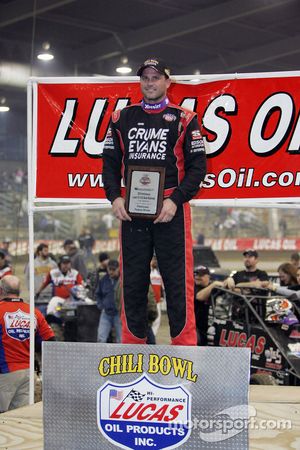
{"x": 115, "y": 394}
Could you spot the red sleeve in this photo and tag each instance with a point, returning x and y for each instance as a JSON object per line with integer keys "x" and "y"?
{"x": 47, "y": 280}
{"x": 44, "y": 330}
{"x": 79, "y": 279}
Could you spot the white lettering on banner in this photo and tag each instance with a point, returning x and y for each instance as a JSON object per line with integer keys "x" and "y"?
{"x": 289, "y": 244}
{"x": 112, "y": 245}
{"x": 218, "y": 125}
{"x": 283, "y": 103}
{"x": 229, "y": 244}
{"x": 79, "y": 180}
{"x": 294, "y": 146}
{"x": 64, "y": 145}
{"x": 244, "y": 178}
{"x": 91, "y": 145}
{"x": 189, "y": 103}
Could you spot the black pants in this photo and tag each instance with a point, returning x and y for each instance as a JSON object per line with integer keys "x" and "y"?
{"x": 172, "y": 243}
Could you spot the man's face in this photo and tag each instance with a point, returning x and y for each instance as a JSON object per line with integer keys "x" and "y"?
{"x": 2, "y": 262}
{"x": 202, "y": 280}
{"x": 65, "y": 266}
{"x": 154, "y": 85}
{"x": 113, "y": 273}
{"x": 44, "y": 253}
{"x": 104, "y": 263}
{"x": 298, "y": 276}
{"x": 69, "y": 248}
{"x": 250, "y": 262}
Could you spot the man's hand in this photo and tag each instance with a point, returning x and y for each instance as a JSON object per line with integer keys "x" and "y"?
{"x": 217, "y": 283}
{"x": 118, "y": 209}
{"x": 168, "y": 211}
{"x": 268, "y": 285}
{"x": 229, "y": 283}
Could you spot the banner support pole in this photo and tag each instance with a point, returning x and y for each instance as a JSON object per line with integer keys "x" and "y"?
{"x": 31, "y": 243}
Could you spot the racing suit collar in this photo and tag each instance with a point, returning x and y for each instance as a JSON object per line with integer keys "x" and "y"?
{"x": 155, "y": 107}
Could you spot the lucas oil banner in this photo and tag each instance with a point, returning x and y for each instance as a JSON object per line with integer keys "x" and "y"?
{"x": 250, "y": 125}
{"x": 99, "y": 396}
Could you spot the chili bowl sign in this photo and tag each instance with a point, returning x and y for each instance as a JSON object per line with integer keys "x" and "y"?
{"x": 144, "y": 414}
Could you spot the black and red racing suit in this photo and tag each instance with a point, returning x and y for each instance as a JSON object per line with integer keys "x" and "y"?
{"x": 168, "y": 137}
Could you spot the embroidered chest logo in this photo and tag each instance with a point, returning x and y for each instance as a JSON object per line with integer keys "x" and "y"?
{"x": 147, "y": 143}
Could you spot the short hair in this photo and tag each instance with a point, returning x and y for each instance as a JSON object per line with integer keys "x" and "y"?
{"x": 7, "y": 289}
{"x": 2, "y": 255}
{"x": 41, "y": 247}
{"x": 103, "y": 256}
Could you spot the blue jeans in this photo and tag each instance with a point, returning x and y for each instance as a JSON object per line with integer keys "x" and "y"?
{"x": 106, "y": 323}
{"x": 42, "y": 307}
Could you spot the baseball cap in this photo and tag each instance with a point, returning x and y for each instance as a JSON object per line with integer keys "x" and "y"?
{"x": 64, "y": 259}
{"x": 68, "y": 242}
{"x": 202, "y": 270}
{"x": 113, "y": 264}
{"x": 155, "y": 63}
{"x": 250, "y": 252}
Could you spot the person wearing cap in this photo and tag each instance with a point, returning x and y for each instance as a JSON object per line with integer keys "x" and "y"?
{"x": 76, "y": 256}
{"x": 106, "y": 302}
{"x": 95, "y": 276}
{"x": 251, "y": 276}
{"x": 203, "y": 288}
{"x": 43, "y": 263}
{"x": 5, "y": 268}
{"x": 61, "y": 278}
{"x": 156, "y": 134}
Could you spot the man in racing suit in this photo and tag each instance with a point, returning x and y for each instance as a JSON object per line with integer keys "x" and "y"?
{"x": 156, "y": 133}
{"x": 62, "y": 278}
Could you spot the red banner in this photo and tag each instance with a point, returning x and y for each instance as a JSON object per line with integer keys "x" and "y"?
{"x": 251, "y": 128}
{"x": 222, "y": 244}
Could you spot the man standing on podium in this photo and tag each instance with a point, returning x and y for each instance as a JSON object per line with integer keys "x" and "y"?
{"x": 155, "y": 135}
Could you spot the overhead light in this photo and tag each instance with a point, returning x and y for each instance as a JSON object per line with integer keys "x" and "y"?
{"x": 3, "y": 106}
{"x": 45, "y": 54}
{"x": 124, "y": 68}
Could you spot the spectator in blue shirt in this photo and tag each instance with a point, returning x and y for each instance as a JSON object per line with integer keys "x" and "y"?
{"x": 106, "y": 302}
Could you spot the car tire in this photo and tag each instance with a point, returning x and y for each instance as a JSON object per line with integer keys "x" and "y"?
{"x": 263, "y": 378}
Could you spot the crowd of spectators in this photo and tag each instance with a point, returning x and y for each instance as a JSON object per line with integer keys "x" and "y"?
{"x": 15, "y": 180}
{"x": 55, "y": 278}
{"x": 243, "y": 281}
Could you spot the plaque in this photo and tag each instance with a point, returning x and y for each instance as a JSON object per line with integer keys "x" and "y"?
{"x": 144, "y": 193}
